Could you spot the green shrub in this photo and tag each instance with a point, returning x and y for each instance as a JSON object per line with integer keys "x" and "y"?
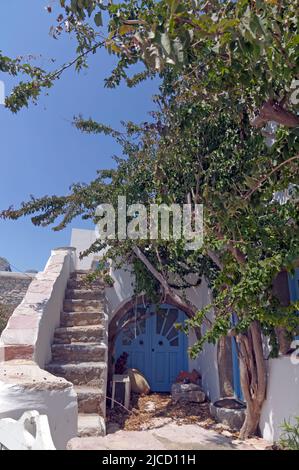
{"x": 5, "y": 313}
{"x": 290, "y": 436}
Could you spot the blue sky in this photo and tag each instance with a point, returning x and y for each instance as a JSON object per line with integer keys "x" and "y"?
{"x": 40, "y": 152}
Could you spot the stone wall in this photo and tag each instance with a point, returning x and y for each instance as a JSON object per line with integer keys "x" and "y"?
{"x": 13, "y": 287}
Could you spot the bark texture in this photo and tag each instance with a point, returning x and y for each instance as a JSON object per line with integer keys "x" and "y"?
{"x": 225, "y": 366}
{"x": 253, "y": 377}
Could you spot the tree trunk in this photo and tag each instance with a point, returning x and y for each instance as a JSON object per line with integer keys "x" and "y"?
{"x": 284, "y": 340}
{"x": 252, "y": 419}
{"x": 253, "y": 377}
{"x": 225, "y": 366}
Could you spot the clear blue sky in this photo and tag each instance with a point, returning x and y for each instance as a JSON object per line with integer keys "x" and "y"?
{"x": 40, "y": 152}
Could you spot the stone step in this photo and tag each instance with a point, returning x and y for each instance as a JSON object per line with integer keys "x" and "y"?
{"x": 83, "y": 305}
{"x": 83, "y": 294}
{"x": 85, "y": 276}
{"x": 91, "y": 373}
{"x": 78, "y": 352}
{"x": 80, "y": 272}
{"x": 82, "y": 318}
{"x": 79, "y": 334}
{"x": 90, "y": 399}
{"x": 91, "y": 425}
{"x": 84, "y": 284}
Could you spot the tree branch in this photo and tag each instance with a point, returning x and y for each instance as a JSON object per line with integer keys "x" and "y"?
{"x": 167, "y": 289}
{"x": 215, "y": 258}
{"x": 273, "y": 111}
{"x": 58, "y": 72}
{"x": 262, "y": 180}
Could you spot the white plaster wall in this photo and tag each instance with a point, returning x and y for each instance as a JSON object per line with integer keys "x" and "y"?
{"x": 30, "y": 432}
{"x": 60, "y": 406}
{"x": 35, "y": 319}
{"x": 58, "y": 269}
{"x": 122, "y": 290}
{"x": 123, "y": 287}
{"x": 206, "y": 362}
{"x": 24, "y": 385}
{"x": 82, "y": 239}
{"x": 282, "y": 402}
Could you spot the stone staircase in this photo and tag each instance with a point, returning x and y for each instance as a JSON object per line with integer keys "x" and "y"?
{"x": 79, "y": 351}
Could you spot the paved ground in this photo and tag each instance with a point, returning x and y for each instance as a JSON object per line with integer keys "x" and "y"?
{"x": 167, "y": 437}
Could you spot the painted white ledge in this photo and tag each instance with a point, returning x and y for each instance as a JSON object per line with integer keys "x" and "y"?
{"x": 24, "y": 386}
{"x": 30, "y": 329}
{"x": 30, "y": 432}
{"x": 25, "y": 349}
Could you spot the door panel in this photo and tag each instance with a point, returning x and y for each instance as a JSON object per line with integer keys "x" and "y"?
{"x": 294, "y": 289}
{"x": 173, "y": 367}
{"x": 134, "y": 339}
{"x": 168, "y": 346}
{"x": 154, "y": 345}
{"x": 160, "y": 370}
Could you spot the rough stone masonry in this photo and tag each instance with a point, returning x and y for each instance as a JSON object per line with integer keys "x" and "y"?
{"x": 13, "y": 287}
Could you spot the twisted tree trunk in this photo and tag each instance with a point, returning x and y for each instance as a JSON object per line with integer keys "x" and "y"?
{"x": 253, "y": 377}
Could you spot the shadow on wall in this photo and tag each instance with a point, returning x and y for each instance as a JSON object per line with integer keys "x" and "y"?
{"x": 282, "y": 402}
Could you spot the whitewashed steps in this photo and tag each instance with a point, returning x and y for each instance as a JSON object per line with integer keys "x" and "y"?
{"x": 82, "y": 373}
{"x": 75, "y": 294}
{"x": 79, "y": 351}
{"x": 79, "y": 334}
{"x": 90, "y": 399}
{"x": 79, "y": 305}
{"x": 81, "y": 318}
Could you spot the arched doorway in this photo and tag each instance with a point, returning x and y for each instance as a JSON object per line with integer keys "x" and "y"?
{"x": 153, "y": 343}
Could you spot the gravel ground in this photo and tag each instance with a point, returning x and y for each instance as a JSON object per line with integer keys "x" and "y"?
{"x": 153, "y": 410}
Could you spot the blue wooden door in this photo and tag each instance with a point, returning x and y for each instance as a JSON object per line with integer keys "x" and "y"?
{"x": 294, "y": 288}
{"x": 294, "y": 285}
{"x": 168, "y": 348}
{"x": 236, "y": 365}
{"x": 154, "y": 344}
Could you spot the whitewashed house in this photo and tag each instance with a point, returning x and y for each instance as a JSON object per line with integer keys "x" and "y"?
{"x": 51, "y": 343}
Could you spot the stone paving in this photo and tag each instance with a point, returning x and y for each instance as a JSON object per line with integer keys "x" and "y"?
{"x": 169, "y": 436}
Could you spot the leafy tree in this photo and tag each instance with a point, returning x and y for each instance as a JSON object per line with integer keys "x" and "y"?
{"x": 226, "y": 68}
{"x": 245, "y": 48}
{"x": 188, "y": 152}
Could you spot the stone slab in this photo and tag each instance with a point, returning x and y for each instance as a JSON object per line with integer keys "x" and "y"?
{"x": 167, "y": 437}
{"x": 187, "y": 392}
